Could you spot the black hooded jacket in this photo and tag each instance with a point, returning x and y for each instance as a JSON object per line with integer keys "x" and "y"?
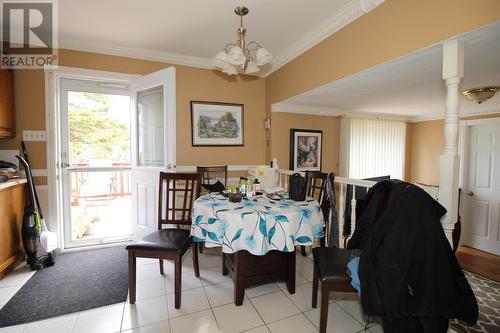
{"x": 407, "y": 267}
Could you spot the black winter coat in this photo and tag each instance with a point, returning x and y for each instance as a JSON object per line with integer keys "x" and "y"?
{"x": 407, "y": 267}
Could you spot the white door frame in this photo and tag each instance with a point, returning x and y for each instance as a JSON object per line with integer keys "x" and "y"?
{"x": 463, "y": 150}
{"x": 52, "y": 127}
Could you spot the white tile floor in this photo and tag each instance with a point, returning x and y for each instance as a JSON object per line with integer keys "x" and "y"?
{"x": 207, "y": 305}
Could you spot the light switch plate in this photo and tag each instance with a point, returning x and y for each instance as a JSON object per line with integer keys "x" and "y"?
{"x": 34, "y": 136}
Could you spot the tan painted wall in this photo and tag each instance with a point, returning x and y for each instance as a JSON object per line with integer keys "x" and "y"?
{"x": 427, "y": 142}
{"x": 394, "y": 29}
{"x": 280, "y": 137}
{"x": 192, "y": 84}
{"x": 425, "y": 148}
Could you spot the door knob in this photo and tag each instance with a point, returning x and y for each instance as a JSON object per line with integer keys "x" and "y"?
{"x": 64, "y": 165}
{"x": 470, "y": 194}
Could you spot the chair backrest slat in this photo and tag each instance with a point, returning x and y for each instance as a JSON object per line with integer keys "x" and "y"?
{"x": 168, "y": 211}
{"x": 210, "y": 174}
{"x": 316, "y": 188}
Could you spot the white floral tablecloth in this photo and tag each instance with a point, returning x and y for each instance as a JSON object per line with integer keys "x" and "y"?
{"x": 257, "y": 225}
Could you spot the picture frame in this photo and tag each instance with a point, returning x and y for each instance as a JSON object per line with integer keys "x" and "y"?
{"x": 306, "y": 149}
{"x": 216, "y": 124}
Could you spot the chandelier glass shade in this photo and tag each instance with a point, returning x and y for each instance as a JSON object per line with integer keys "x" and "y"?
{"x": 240, "y": 57}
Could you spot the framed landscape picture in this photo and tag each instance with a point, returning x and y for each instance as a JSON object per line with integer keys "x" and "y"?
{"x": 305, "y": 149}
{"x": 216, "y": 124}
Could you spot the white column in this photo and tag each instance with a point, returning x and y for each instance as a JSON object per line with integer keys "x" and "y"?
{"x": 453, "y": 70}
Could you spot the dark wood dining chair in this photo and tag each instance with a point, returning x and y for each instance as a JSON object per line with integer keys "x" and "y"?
{"x": 209, "y": 176}
{"x": 316, "y": 188}
{"x": 330, "y": 268}
{"x": 171, "y": 242}
{"x": 329, "y": 264}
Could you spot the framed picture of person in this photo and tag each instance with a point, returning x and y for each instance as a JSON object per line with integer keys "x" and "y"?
{"x": 216, "y": 124}
{"x": 305, "y": 149}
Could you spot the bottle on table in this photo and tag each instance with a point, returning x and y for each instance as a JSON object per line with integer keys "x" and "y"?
{"x": 256, "y": 185}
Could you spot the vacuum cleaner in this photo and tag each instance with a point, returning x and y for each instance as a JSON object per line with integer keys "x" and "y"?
{"x": 39, "y": 244}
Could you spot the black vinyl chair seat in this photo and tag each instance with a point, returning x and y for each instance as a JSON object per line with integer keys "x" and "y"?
{"x": 331, "y": 263}
{"x": 164, "y": 240}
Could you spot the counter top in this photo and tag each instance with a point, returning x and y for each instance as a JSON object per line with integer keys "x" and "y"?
{"x": 11, "y": 183}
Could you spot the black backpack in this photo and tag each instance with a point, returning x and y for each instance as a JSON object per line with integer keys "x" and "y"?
{"x": 297, "y": 187}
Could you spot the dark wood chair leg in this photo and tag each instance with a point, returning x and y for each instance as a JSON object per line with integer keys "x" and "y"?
{"x": 303, "y": 250}
{"x": 161, "y": 267}
{"x": 194, "y": 250}
{"x": 225, "y": 271}
{"x": 323, "y": 317}
{"x": 177, "y": 277}
{"x": 131, "y": 275}
{"x": 200, "y": 248}
{"x": 314, "y": 302}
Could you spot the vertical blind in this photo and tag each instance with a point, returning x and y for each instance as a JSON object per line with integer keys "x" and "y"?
{"x": 377, "y": 148}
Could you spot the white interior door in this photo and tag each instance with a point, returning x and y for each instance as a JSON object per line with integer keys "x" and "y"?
{"x": 482, "y": 188}
{"x": 153, "y": 144}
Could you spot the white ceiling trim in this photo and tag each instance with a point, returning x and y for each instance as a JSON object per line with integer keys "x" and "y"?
{"x": 463, "y": 114}
{"x": 347, "y": 14}
{"x": 306, "y": 109}
{"x": 427, "y": 117}
{"x": 479, "y": 113}
{"x": 330, "y": 112}
{"x": 136, "y": 53}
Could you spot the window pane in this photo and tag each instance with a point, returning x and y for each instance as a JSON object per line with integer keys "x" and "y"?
{"x": 150, "y": 131}
{"x": 99, "y": 129}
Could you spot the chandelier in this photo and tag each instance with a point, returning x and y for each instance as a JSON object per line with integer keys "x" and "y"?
{"x": 481, "y": 94}
{"x": 240, "y": 57}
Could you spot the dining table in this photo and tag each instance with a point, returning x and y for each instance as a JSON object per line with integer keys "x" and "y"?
{"x": 257, "y": 236}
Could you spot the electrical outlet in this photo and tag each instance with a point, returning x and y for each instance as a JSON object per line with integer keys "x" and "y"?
{"x": 34, "y": 136}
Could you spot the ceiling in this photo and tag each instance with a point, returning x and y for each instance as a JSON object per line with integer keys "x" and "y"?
{"x": 410, "y": 87}
{"x": 192, "y": 31}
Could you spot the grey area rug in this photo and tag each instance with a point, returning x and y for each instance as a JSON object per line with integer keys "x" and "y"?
{"x": 78, "y": 281}
{"x": 488, "y": 299}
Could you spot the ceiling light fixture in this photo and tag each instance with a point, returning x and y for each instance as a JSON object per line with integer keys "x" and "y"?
{"x": 240, "y": 57}
{"x": 481, "y": 94}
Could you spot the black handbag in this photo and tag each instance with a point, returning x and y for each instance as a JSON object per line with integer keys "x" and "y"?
{"x": 297, "y": 187}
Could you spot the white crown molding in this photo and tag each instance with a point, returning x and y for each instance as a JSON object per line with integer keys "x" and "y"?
{"x": 306, "y": 109}
{"x": 464, "y": 114}
{"x": 479, "y": 113}
{"x": 331, "y": 112}
{"x": 136, "y": 53}
{"x": 427, "y": 117}
{"x": 347, "y": 14}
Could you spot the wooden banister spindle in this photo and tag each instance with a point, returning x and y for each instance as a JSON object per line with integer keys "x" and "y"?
{"x": 341, "y": 214}
{"x": 353, "y": 209}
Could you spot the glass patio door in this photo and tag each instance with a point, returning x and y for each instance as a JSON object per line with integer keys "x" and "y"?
{"x": 95, "y": 156}
{"x": 153, "y": 144}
